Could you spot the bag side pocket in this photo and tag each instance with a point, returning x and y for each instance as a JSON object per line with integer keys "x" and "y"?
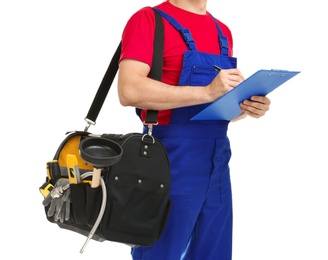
{"x": 134, "y": 215}
{"x": 78, "y": 203}
{"x": 93, "y": 204}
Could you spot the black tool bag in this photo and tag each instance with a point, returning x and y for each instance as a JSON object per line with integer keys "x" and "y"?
{"x": 136, "y": 187}
{"x": 139, "y": 188}
{"x": 131, "y": 203}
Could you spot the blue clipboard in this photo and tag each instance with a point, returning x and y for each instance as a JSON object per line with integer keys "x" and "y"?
{"x": 260, "y": 83}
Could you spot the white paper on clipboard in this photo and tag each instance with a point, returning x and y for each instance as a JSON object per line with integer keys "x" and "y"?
{"x": 260, "y": 83}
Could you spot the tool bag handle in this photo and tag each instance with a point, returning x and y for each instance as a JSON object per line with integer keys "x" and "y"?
{"x": 155, "y": 73}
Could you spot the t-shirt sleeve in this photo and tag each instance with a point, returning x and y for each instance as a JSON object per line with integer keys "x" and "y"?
{"x": 138, "y": 36}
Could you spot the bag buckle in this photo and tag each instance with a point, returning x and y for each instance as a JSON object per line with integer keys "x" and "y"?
{"x": 150, "y": 126}
{"x": 89, "y": 123}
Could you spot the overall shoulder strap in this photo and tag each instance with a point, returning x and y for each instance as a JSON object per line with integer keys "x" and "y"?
{"x": 184, "y": 32}
{"x": 187, "y": 36}
{"x": 156, "y": 73}
{"x": 224, "y": 48}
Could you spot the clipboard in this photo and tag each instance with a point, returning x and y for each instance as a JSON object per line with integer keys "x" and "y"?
{"x": 260, "y": 83}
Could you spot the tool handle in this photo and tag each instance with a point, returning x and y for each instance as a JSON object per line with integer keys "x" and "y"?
{"x": 96, "y": 177}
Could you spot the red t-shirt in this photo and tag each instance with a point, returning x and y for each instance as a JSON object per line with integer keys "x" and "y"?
{"x": 138, "y": 40}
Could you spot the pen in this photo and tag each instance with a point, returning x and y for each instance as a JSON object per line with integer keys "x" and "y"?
{"x": 217, "y": 68}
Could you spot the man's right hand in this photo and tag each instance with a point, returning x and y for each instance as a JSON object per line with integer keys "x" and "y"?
{"x": 225, "y": 81}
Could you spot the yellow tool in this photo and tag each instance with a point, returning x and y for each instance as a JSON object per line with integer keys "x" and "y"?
{"x": 46, "y": 188}
{"x": 73, "y": 169}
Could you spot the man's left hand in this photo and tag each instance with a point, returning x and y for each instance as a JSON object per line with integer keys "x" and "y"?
{"x": 256, "y": 106}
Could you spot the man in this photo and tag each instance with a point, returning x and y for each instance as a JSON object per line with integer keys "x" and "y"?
{"x": 200, "y": 221}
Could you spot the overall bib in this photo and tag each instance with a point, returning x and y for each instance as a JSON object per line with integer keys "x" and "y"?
{"x": 200, "y": 222}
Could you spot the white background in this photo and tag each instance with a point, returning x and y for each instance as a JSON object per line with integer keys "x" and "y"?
{"x": 53, "y": 55}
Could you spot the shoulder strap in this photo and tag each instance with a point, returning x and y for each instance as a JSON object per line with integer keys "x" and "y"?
{"x": 184, "y": 32}
{"x": 187, "y": 36}
{"x": 155, "y": 73}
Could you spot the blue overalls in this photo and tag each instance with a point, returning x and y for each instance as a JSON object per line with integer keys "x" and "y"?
{"x": 200, "y": 222}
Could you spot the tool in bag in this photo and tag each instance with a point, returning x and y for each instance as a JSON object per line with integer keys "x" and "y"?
{"x": 111, "y": 187}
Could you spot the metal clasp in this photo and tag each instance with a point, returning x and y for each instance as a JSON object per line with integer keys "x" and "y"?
{"x": 89, "y": 123}
{"x": 150, "y": 127}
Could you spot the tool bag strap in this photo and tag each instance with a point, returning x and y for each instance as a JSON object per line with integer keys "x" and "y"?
{"x": 155, "y": 73}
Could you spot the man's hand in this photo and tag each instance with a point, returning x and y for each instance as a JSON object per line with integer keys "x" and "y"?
{"x": 225, "y": 81}
{"x": 256, "y": 106}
